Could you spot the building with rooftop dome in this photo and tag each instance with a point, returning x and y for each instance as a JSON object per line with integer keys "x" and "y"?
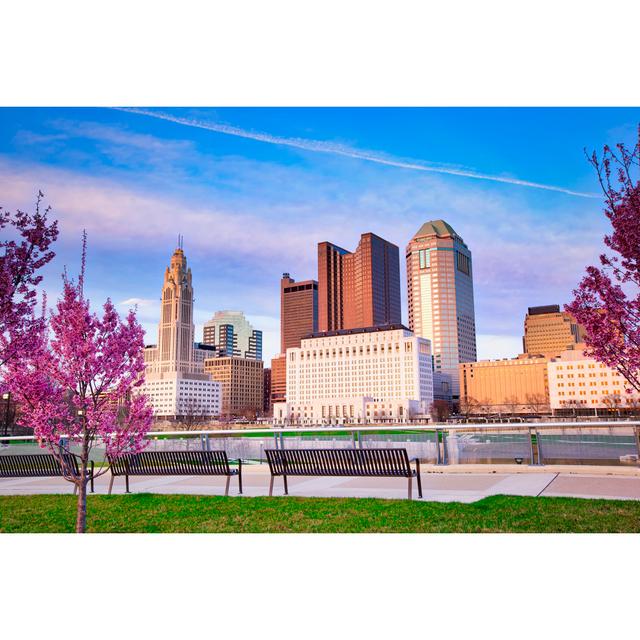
{"x": 440, "y": 300}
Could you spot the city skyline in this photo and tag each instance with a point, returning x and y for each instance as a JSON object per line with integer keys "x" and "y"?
{"x": 255, "y": 190}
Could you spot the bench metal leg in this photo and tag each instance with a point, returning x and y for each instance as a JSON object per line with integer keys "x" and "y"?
{"x": 410, "y": 487}
{"x": 111, "y": 483}
{"x": 240, "y": 477}
{"x": 126, "y": 479}
{"x": 226, "y": 488}
{"x": 271, "y": 486}
{"x": 286, "y": 486}
{"x": 418, "y": 477}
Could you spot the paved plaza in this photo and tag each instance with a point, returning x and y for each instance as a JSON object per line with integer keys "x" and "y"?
{"x": 463, "y": 483}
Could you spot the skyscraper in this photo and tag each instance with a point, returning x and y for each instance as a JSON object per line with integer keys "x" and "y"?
{"x": 549, "y": 331}
{"x": 175, "y": 381}
{"x": 440, "y": 298}
{"x": 176, "y": 329}
{"x": 231, "y": 332}
{"x": 359, "y": 289}
{"x": 298, "y": 311}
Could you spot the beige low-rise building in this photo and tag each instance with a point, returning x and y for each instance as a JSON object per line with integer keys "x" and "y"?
{"x": 513, "y": 386}
{"x": 577, "y": 382}
{"x": 242, "y": 383}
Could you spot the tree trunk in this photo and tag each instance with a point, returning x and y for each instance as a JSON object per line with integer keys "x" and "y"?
{"x": 81, "y": 516}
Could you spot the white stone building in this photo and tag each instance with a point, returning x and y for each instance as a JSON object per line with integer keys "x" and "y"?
{"x": 578, "y": 382}
{"x": 377, "y": 374}
{"x": 174, "y": 394}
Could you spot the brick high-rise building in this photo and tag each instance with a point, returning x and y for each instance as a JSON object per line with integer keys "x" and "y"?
{"x": 359, "y": 289}
{"x": 298, "y": 311}
{"x": 278, "y": 379}
{"x": 266, "y": 393}
{"x": 440, "y": 298}
{"x": 549, "y": 331}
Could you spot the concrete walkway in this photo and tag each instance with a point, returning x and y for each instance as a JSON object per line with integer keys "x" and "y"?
{"x": 451, "y": 484}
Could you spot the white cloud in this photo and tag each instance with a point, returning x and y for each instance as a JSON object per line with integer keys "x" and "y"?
{"x": 342, "y": 150}
{"x": 138, "y": 302}
{"x": 523, "y": 254}
{"x": 115, "y": 215}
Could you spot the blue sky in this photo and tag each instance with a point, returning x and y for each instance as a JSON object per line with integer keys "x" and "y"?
{"x": 253, "y": 190}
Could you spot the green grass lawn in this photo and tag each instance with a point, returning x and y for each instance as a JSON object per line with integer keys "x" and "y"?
{"x": 152, "y": 513}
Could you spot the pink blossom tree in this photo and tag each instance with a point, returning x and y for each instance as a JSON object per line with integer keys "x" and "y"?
{"x": 79, "y": 385}
{"x": 607, "y": 300}
{"x": 25, "y": 247}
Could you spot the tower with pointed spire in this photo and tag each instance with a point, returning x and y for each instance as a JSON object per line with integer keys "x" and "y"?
{"x": 176, "y": 329}
{"x": 175, "y": 382}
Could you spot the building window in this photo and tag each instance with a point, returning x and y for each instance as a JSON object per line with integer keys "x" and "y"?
{"x": 463, "y": 262}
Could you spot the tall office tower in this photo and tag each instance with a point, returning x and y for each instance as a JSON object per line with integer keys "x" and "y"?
{"x": 549, "y": 331}
{"x": 174, "y": 368}
{"x": 233, "y": 335}
{"x": 174, "y": 351}
{"x": 359, "y": 289}
{"x": 440, "y": 297}
{"x": 298, "y": 311}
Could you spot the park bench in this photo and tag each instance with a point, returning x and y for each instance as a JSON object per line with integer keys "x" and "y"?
{"x": 40, "y": 465}
{"x": 371, "y": 463}
{"x": 175, "y": 463}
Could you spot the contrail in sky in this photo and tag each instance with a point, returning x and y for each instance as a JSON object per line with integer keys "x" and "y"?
{"x": 340, "y": 150}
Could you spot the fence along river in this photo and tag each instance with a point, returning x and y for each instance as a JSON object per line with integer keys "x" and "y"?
{"x": 598, "y": 443}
